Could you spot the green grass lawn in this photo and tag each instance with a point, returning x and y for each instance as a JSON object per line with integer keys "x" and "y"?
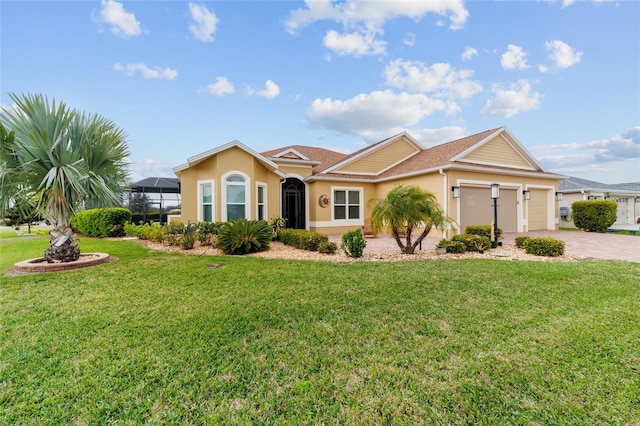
{"x": 172, "y": 338}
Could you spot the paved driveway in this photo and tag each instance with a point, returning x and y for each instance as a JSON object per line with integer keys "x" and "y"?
{"x": 583, "y": 244}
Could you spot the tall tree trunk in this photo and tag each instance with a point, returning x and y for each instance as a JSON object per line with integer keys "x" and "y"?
{"x": 63, "y": 246}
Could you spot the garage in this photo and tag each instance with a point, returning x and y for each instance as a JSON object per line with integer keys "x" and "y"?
{"x": 476, "y": 208}
{"x": 538, "y": 209}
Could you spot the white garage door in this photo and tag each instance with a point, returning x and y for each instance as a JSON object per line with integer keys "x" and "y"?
{"x": 476, "y": 208}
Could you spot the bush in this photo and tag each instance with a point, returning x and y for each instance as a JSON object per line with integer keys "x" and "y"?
{"x": 453, "y": 246}
{"x": 353, "y": 243}
{"x": 146, "y": 231}
{"x": 594, "y": 215}
{"x": 188, "y": 239}
{"x": 173, "y": 232}
{"x": 206, "y": 231}
{"x": 327, "y": 247}
{"x": 520, "y": 240}
{"x": 107, "y": 222}
{"x": 244, "y": 236}
{"x": 276, "y": 224}
{"x": 483, "y": 230}
{"x": 544, "y": 246}
{"x": 473, "y": 242}
{"x": 302, "y": 239}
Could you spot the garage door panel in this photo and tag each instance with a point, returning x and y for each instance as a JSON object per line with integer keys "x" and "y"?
{"x": 476, "y": 208}
{"x": 538, "y": 209}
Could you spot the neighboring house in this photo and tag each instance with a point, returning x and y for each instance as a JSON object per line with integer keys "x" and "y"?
{"x": 329, "y": 192}
{"x": 627, "y": 195}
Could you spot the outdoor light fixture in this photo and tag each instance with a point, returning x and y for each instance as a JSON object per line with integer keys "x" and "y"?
{"x": 495, "y": 194}
{"x": 559, "y": 196}
{"x": 527, "y": 194}
{"x": 456, "y": 191}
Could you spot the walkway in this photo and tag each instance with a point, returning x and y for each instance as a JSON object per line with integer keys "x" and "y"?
{"x": 583, "y": 244}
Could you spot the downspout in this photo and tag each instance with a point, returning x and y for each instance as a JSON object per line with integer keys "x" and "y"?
{"x": 445, "y": 198}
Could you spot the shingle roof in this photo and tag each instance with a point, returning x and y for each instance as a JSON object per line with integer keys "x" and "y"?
{"x": 577, "y": 184}
{"x": 327, "y": 158}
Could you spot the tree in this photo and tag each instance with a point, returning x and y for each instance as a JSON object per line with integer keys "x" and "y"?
{"x": 404, "y": 209}
{"x": 67, "y": 158}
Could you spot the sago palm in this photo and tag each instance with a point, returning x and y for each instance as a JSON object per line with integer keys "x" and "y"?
{"x": 67, "y": 158}
{"x": 404, "y": 209}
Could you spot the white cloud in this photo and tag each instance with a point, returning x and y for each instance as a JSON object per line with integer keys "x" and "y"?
{"x": 354, "y": 44}
{"x": 141, "y": 169}
{"x": 354, "y": 13}
{"x": 562, "y": 55}
{"x": 441, "y": 79}
{"x": 514, "y": 58}
{"x": 222, "y": 86}
{"x": 369, "y": 114}
{"x": 147, "y": 73}
{"x": 469, "y": 53}
{"x": 122, "y": 23}
{"x": 270, "y": 91}
{"x": 507, "y": 103}
{"x": 409, "y": 40}
{"x": 363, "y": 21}
{"x": 203, "y": 22}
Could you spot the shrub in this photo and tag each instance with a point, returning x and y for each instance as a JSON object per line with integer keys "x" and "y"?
{"x": 188, "y": 239}
{"x": 520, "y": 240}
{"x": 146, "y": 231}
{"x": 276, "y": 224}
{"x": 544, "y": 246}
{"x": 107, "y": 222}
{"x": 302, "y": 239}
{"x": 327, "y": 247}
{"x": 473, "y": 242}
{"x": 453, "y": 246}
{"x": 483, "y": 230}
{"x": 353, "y": 243}
{"x": 594, "y": 215}
{"x": 173, "y": 232}
{"x": 244, "y": 236}
{"x": 206, "y": 230}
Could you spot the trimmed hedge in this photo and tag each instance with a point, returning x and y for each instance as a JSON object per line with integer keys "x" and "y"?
{"x": 520, "y": 240}
{"x": 107, "y": 222}
{"x": 301, "y": 238}
{"x": 594, "y": 215}
{"x": 473, "y": 242}
{"x": 544, "y": 246}
{"x": 482, "y": 230}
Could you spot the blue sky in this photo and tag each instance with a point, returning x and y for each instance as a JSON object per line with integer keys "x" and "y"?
{"x": 184, "y": 77}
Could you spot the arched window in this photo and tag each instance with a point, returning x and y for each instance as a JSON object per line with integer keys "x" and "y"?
{"x": 236, "y": 199}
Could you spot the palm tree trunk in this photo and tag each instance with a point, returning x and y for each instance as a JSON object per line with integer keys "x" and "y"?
{"x": 63, "y": 246}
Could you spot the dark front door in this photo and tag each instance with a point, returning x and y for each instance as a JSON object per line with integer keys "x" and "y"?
{"x": 293, "y": 203}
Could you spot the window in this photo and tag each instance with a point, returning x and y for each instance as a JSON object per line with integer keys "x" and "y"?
{"x": 346, "y": 204}
{"x": 236, "y": 197}
{"x": 205, "y": 201}
{"x": 262, "y": 203}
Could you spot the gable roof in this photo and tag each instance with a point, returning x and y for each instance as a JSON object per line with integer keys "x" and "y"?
{"x": 319, "y": 158}
{"x": 192, "y": 161}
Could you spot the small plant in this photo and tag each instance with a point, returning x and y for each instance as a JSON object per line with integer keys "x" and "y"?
{"x": 353, "y": 243}
{"x": 483, "y": 230}
{"x": 188, "y": 239}
{"x": 146, "y": 231}
{"x": 473, "y": 242}
{"x": 276, "y": 224}
{"x": 173, "y": 232}
{"x": 544, "y": 246}
{"x": 452, "y": 246}
{"x": 520, "y": 240}
{"x": 206, "y": 230}
{"x": 327, "y": 247}
{"x": 244, "y": 236}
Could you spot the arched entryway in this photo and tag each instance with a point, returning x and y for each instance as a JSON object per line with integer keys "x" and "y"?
{"x": 293, "y": 203}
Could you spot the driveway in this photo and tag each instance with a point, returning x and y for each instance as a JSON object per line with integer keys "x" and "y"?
{"x": 583, "y": 244}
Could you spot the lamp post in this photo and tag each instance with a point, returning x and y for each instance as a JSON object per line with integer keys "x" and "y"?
{"x": 495, "y": 194}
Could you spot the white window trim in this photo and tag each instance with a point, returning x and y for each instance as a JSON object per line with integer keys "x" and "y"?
{"x": 264, "y": 186}
{"x": 348, "y": 222}
{"x": 211, "y": 182}
{"x": 247, "y": 193}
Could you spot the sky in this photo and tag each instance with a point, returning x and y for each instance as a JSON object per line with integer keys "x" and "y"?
{"x": 181, "y": 78}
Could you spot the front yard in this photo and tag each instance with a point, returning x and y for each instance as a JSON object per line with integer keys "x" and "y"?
{"x": 173, "y": 338}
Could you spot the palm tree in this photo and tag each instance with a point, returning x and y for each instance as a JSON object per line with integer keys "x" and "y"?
{"x": 66, "y": 158}
{"x": 403, "y": 209}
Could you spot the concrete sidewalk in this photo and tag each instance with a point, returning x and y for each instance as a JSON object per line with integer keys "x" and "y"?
{"x": 584, "y": 244}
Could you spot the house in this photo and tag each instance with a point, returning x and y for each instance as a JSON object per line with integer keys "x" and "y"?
{"x": 329, "y": 192}
{"x": 627, "y": 196}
